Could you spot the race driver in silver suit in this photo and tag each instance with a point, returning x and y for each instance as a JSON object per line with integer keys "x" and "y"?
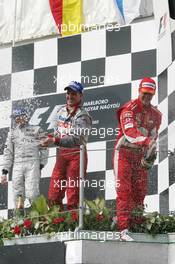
{"x": 23, "y": 152}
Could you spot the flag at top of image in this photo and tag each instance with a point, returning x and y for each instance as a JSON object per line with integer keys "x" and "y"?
{"x": 129, "y": 9}
{"x": 70, "y": 15}
{"x": 67, "y": 15}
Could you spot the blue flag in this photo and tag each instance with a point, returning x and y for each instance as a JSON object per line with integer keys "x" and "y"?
{"x": 129, "y": 9}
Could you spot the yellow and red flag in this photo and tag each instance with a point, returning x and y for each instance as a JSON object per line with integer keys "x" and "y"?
{"x": 68, "y": 16}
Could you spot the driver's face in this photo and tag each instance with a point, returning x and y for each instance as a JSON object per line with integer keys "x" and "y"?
{"x": 145, "y": 98}
{"x": 73, "y": 98}
{"x": 21, "y": 120}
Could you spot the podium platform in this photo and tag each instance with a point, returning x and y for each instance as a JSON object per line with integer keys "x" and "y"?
{"x": 94, "y": 248}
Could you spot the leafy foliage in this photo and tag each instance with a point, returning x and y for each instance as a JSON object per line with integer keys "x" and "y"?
{"x": 42, "y": 219}
{"x": 155, "y": 223}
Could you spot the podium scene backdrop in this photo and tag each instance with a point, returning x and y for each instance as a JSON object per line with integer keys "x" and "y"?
{"x": 110, "y": 64}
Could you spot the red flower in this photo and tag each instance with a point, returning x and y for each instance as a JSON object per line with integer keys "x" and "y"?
{"x": 99, "y": 217}
{"x": 27, "y": 224}
{"x": 16, "y": 230}
{"x": 74, "y": 216}
{"x": 57, "y": 220}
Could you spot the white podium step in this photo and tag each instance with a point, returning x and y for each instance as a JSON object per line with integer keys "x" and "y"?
{"x": 116, "y": 252}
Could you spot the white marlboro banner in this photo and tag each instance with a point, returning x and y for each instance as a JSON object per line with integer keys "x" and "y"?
{"x": 6, "y": 20}
{"x": 33, "y": 20}
{"x": 163, "y": 34}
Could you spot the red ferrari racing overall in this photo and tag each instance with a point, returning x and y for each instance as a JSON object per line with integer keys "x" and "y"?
{"x": 138, "y": 125}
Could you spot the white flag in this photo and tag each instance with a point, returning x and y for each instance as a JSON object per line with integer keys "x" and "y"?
{"x": 100, "y": 12}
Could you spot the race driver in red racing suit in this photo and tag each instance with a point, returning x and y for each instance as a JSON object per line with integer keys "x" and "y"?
{"x": 72, "y": 127}
{"x": 139, "y": 122}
